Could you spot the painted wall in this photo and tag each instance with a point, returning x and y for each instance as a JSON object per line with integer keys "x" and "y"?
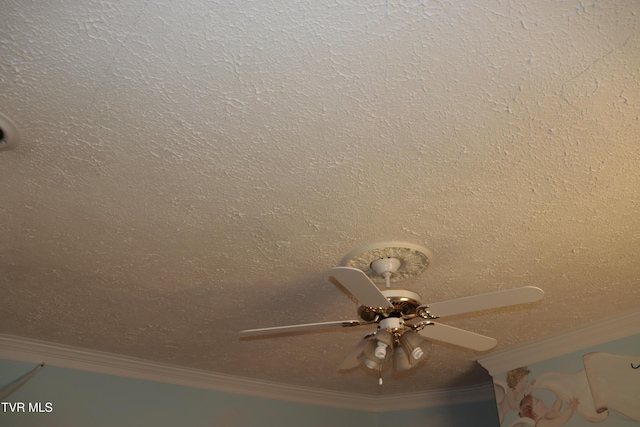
{"x": 600, "y": 384}
{"x": 481, "y": 414}
{"x": 78, "y": 398}
{"x": 85, "y": 399}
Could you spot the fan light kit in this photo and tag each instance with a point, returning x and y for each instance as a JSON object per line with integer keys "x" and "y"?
{"x": 406, "y": 326}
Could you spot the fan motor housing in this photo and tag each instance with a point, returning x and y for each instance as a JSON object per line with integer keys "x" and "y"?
{"x": 405, "y": 305}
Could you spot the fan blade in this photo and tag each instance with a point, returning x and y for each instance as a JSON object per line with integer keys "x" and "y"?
{"x": 459, "y": 337}
{"x": 361, "y": 287}
{"x": 486, "y": 301}
{"x": 297, "y": 328}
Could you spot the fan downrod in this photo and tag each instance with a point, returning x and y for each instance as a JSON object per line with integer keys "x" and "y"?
{"x": 386, "y": 267}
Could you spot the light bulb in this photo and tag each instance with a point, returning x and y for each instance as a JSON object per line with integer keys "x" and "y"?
{"x": 417, "y": 353}
{"x": 381, "y": 350}
{"x": 415, "y": 346}
{"x": 370, "y": 364}
{"x": 400, "y": 359}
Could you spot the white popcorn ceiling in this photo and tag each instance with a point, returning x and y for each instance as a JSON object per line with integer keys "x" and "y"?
{"x": 190, "y": 169}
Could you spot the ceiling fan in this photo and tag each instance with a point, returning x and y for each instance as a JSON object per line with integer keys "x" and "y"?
{"x": 406, "y": 326}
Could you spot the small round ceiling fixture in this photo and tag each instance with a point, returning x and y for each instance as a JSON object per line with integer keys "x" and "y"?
{"x": 9, "y": 135}
{"x": 413, "y": 259}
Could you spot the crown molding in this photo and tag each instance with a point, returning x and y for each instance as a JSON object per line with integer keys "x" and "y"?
{"x": 549, "y": 347}
{"x": 51, "y": 354}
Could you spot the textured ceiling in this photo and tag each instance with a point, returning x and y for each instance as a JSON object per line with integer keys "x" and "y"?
{"x": 189, "y": 169}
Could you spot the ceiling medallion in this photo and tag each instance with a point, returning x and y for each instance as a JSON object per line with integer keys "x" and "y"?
{"x": 413, "y": 259}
